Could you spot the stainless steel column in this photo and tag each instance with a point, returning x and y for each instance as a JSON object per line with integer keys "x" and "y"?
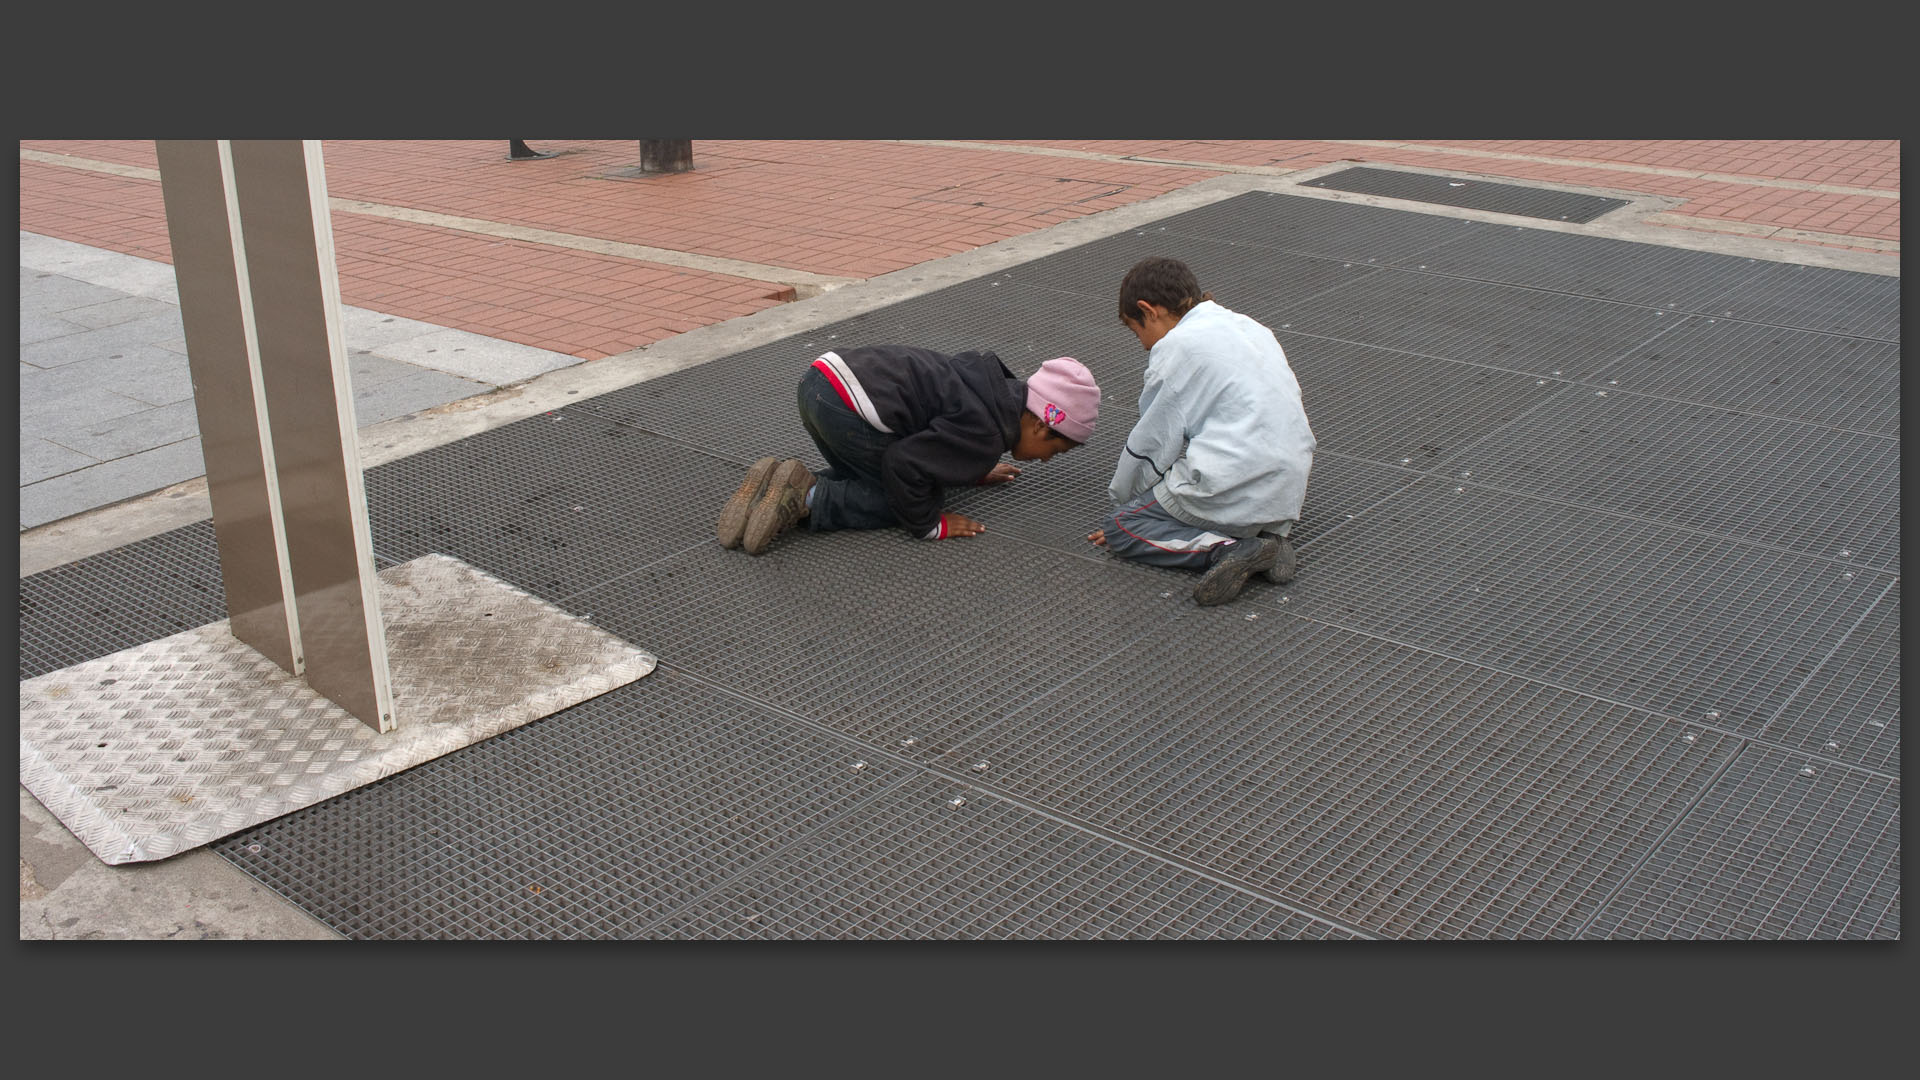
{"x": 216, "y": 309}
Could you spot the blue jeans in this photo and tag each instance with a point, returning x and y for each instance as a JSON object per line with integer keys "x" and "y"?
{"x": 849, "y": 494}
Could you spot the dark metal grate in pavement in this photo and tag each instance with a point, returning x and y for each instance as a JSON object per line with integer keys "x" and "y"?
{"x": 1818, "y": 491}
{"x": 1816, "y": 298}
{"x": 554, "y": 503}
{"x": 1384, "y": 788}
{"x": 1393, "y": 407}
{"x": 1318, "y": 226}
{"x": 915, "y": 867}
{"x": 1699, "y": 627}
{"x": 1473, "y": 194}
{"x": 591, "y": 823}
{"x": 1675, "y": 279}
{"x": 128, "y": 596}
{"x": 1850, "y": 708}
{"x": 1547, "y": 335}
{"x": 1848, "y": 383}
{"x": 879, "y": 635}
{"x": 1780, "y": 848}
{"x": 1240, "y": 276}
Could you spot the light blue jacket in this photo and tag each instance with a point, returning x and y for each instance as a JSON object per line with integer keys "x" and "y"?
{"x": 1222, "y": 439}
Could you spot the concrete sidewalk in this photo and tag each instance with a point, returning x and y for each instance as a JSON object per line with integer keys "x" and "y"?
{"x": 433, "y": 375}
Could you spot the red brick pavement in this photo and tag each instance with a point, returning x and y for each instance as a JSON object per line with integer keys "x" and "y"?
{"x": 855, "y": 210}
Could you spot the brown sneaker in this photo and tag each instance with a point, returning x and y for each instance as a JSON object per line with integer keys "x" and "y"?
{"x": 784, "y": 503}
{"x": 733, "y": 518}
{"x": 1228, "y": 575}
{"x": 1284, "y": 565}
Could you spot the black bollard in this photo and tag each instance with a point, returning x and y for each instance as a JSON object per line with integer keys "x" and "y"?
{"x": 666, "y": 155}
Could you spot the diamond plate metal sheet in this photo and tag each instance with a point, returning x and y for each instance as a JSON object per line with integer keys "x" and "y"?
{"x": 1780, "y": 848}
{"x": 120, "y": 598}
{"x": 554, "y": 504}
{"x": 1811, "y": 489}
{"x": 880, "y": 636}
{"x": 592, "y": 824}
{"x": 1816, "y": 298}
{"x": 1319, "y": 226}
{"x": 1847, "y": 383}
{"x": 1381, "y": 787}
{"x": 1675, "y": 279}
{"x": 1849, "y": 708}
{"x": 1699, "y": 627}
{"x": 1396, "y": 408}
{"x": 1471, "y": 193}
{"x": 919, "y": 866}
{"x": 1547, "y": 335}
{"x": 161, "y": 748}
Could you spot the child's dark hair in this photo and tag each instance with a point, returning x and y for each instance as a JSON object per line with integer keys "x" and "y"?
{"x": 1161, "y": 281}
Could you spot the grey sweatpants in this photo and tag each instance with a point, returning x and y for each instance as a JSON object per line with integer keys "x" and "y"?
{"x": 1144, "y": 532}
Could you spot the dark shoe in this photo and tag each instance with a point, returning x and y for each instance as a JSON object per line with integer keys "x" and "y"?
{"x": 1283, "y": 567}
{"x": 1228, "y": 575}
{"x": 784, "y": 503}
{"x": 733, "y": 519}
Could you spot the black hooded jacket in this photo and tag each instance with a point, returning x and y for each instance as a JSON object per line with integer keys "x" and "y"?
{"x": 954, "y": 415}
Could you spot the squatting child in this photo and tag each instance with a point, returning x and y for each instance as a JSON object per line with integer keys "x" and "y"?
{"x": 1213, "y": 474}
{"x": 898, "y": 425}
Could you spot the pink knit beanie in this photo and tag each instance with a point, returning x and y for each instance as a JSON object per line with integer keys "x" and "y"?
{"x": 1064, "y": 396}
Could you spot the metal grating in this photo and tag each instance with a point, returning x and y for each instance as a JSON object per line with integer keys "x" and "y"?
{"x": 1384, "y": 788}
{"x": 1547, "y": 335}
{"x": 1848, "y": 383}
{"x": 1240, "y": 276}
{"x": 1816, "y": 298}
{"x": 1471, "y": 193}
{"x": 1849, "y": 710}
{"x": 1821, "y": 492}
{"x": 1675, "y": 279}
{"x": 1319, "y": 226}
{"x": 915, "y": 867}
{"x": 128, "y": 596}
{"x": 1432, "y": 612}
{"x": 553, "y": 503}
{"x": 1700, "y": 627}
{"x": 1394, "y": 407}
{"x": 591, "y": 823}
{"x": 1781, "y": 848}
{"x": 881, "y": 636}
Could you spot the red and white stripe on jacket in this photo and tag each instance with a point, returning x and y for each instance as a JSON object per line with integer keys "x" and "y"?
{"x": 848, "y": 387}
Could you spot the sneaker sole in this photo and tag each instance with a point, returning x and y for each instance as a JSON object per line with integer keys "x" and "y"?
{"x": 765, "y": 523}
{"x": 733, "y": 518}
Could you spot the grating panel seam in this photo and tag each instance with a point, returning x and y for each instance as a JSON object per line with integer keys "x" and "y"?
{"x": 1144, "y": 850}
{"x": 1690, "y": 723}
{"x": 1297, "y": 298}
{"x": 1815, "y": 673}
{"x": 1612, "y": 366}
{"x": 1681, "y": 309}
{"x": 636, "y": 568}
{"x": 970, "y": 783}
{"x": 1381, "y": 347}
{"x": 1695, "y": 530}
{"x": 767, "y": 858}
{"x": 1673, "y": 827}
